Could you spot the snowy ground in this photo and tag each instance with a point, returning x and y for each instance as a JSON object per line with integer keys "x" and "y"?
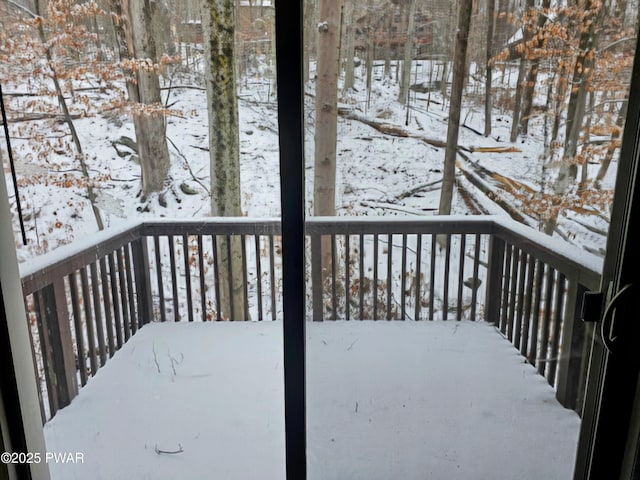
{"x": 374, "y": 171}
{"x": 410, "y": 400}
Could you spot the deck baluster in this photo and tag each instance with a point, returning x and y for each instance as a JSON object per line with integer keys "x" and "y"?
{"x": 334, "y": 277}
{"x": 57, "y": 329}
{"x": 517, "y": 334}
{"x": 216, "y": 277}
{"x": 374, "y": 286}
{"x": 77, "y": 324}
{"x": 187, "y": 276}
{"x": 447, "y": 267}
{"x": 106, "y": 303}
{"x": 571, "y": 377}
{"x": 347, "y": 278}
{"x": 258, "y": 276}
{"x": 432, "y": 277}
{"x": 203, "y": 286}
{"x": 245, "y": 277}
{"x": 389, "y": 273}
{"x": 97, "y": 308}
{"x": 89, "y": 324}
{"x": 475, "y": 279}
{"x": 316, "y": 277}
{"x": 495, "y": 272}
{"x": 418, "y": 279}
{"x": 174, "y": 280}
{"x": 463, "y": 240}
{"x": 558, "y": 317}
{"x": 113, "y": 274}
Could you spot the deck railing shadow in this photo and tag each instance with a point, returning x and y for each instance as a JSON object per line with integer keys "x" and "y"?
{"x": 84, "y": 302}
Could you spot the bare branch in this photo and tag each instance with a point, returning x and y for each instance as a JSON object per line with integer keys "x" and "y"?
{"x": 22, "y": 8}
{"x": 617, "y": 42}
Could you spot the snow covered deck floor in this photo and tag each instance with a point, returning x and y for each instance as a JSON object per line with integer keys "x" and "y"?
{"x": 406, "y": 400}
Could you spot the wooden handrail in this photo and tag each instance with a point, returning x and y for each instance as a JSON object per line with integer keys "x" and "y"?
{"x": 87, "y": 300}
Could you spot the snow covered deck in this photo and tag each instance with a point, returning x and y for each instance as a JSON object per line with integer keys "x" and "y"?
{"x": 409, "y": 400}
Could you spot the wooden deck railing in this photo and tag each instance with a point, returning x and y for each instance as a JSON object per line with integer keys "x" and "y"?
{"x": 536, "y": 289}
{"x": 85, "y": 302}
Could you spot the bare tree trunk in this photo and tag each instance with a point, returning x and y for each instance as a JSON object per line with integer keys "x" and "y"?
{"x": 606, "y": 161}
{"x": 582, "y": 73}
{"x": 370, "y": 60}
{"x": 91, "y": 194}
{"x": 560, "y": 92}
{"x": 532, "y": 76}
{"x": 515, "y": 117}
{"x": 161, "y": 29}
{"x": 111, "y": 25}
{"x": 224, "y": 145}
{"x": 349, "y": 53}
{"x": 324, "y": 183}
{"x": 585, "y": 165}
{"x": 150, "y": 125}
{"x": 459, "y": 62}
{"x": 309, "y": 35}
{"x": 408, "y": 54}
{"x": 93, "y": 26}
{"x": 527, "y": 95}
{"x": 388, "y": 22}
{"x": 503, "y": 22}
{"x": 527, "y": 34}
{"x": 488, "y": 100}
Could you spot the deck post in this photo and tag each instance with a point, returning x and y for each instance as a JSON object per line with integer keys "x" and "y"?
{"x": 494, "y": 279}
{"x": 316, "y": 277}
{"x": 143, "y": 282}
{"x": 58, "y": 328}
{"x": 570, "y": 378}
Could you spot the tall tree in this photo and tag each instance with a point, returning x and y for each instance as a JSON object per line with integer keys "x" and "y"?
{"x": 350, "y": 34}
{"x": 615, "y": 136}
{"x": 218, "y": 21}
{"x": 457, "y": 84}
{"x": 534, "y": 67}
{"x": 309, "y": 35}
{"x": 371, "y": 48}
{"x": 136, "y": 40}
{"x": 388, "y": 22}
{"x": 528, "y": 31}
{"x": 403, "y": 96}
{"x": 515, "y": 116}
{"x": 488, "y": 100}
{"x": 582, "y": 73}
{"x": 91, "y": 194}
{"x": 326, "y": 132}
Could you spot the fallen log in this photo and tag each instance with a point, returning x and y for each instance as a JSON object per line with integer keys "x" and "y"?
{"x": 419, "y": 188}
{"x": 469, "y": 199}
{"x": 386, "y": 128}
{"x": 32, "y": 117}
{"x": 397, "y": 208}
{"x": 493, "y": 196}
{"x": 398, "y": 131}
{"x": 511, "y": 185}
{"x": 495, "y": 150}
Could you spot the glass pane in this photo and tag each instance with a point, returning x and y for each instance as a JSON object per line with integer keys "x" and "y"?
{"x": 120, "y": 113}
{"x": 461, "y": 160}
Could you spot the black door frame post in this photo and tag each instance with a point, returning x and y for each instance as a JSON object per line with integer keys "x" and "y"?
{"x": 291, "y": 138}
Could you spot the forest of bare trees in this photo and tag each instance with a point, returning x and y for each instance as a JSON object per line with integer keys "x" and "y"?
{"x": 555, "y": 72}
{"x": 570, "y": 67}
